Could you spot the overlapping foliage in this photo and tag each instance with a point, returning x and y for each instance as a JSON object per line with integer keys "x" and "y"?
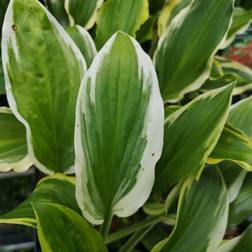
{"x": 127, "y": 108}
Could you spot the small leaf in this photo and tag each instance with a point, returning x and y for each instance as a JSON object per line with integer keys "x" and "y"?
{"x": 235, "y": 146}
{"x": 225, "y": 71}
{"x": 13, "y": 147}
{"x": 43, "y": 70}
{"x": 241, "y": 208}
{"x": 58, "y": 189}
{"x": 120, "y": 15}
{"x": 241, "y": 116}
{"x": 234, "y": 177}
{"x": 116, "y": 151}
{"x": 56, "y": 7}
{"x": 241, "y": 21}
{"x": 82, "y": 12}
{"x": 84, "y": 41}
{"x": 202, "y": 215}
{"x": 185, "y": 52}
{"x": 62, "y": 229}
{"x": 242, "y": 243}
{"x": 191, "y": 133}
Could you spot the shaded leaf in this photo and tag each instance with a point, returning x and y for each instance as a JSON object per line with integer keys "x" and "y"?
{"x": 58, "y": 189}
{"x": 234, "y": 177}
{"x": 242, "y": 243}
{"x": 13, "y": 147}
{"x": 84, "y": 41}
{"x": 116, "y": 151}
{"x": 241, "y": 20}
{"x": 82, "y": 12}
{"x": 56, "y": 7}
{"x": 241, "y": 208}
{"x": 235, "y": 146}
{"x": 42, "y": 81}
{"x": 241, "y": 116}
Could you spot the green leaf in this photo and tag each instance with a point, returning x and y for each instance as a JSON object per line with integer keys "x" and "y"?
{"x": 116, "y": 151}
{"x": 170, "y": 10}
{"x": 84, "y": 41}
{"x": 241, "y": 21}
{"x": 62, "y": 229}
{"x": 185, "y": 52}
{"x": 42, "y": 77}
{"x": 234, "y": 177}
{"x": 56, "y": 7}
{"x": 82, "y": 12}
{"x": 202, "y": 215}
{"x": 242, "y": 243}
{"x": 171, "y": 109}
{"x": 225, "y": 71}
{"x": 241, "y": 208}
{"x": 120, "y": 15}
{"x": 146, "y": 31}
{"x": 235, "y": 146}
{"x": 58, "y": 189}
{"x": 241, "y": 116}
{"x": 2, "y": 87}
{"x": 13, "y": 147}
{"x": 190, "y": 136}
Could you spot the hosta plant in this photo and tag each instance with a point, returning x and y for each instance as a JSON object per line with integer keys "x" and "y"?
{"x": 126, "y": 107}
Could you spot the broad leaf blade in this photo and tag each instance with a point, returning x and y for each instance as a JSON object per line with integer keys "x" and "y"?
{"x": 42, "y": 81}
{"x": 119, "y": 130}
{"x": 185, "y": 52}
{"x": 82, "y": 12}
{"x": 191, "y": 133}
{"x": 84, "y": 41}
{"x": 242, "y": 243}
{"x": 54, "y": 189}
{"x": 235, "y": 146}
{"x": 62, "y": 229}
{"x": 202, "y": 216}
{"x": 13, "y": 147}
{"x": 120, "y": 15}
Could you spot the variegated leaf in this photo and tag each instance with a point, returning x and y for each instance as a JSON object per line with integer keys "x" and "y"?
{"x": 185, "y": 52}
{"x": 241, "y": 21}
{"x": 13, "y": 147}
{"x": 42, "y": 79}
{"x": 242, "y": 243}
{"x": 57, "y": 8}
{"x": 235, "y": 146}
{"x": 191, "y": 133}
{"x": 170, "y": 10}
{"x": 241, "y": 116}
{"x": 119, "y": 131}
{"x": 84, "y": 41}
{"x": 62, "y": 229}
{"x": 234, "y": 177}
{"x": 82, "y": 12}
{"x": 241, "y": 207}
{"x": 120, "y": 15}
{"x": 58, "y": 189}
{"x": 202, "y": 215}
